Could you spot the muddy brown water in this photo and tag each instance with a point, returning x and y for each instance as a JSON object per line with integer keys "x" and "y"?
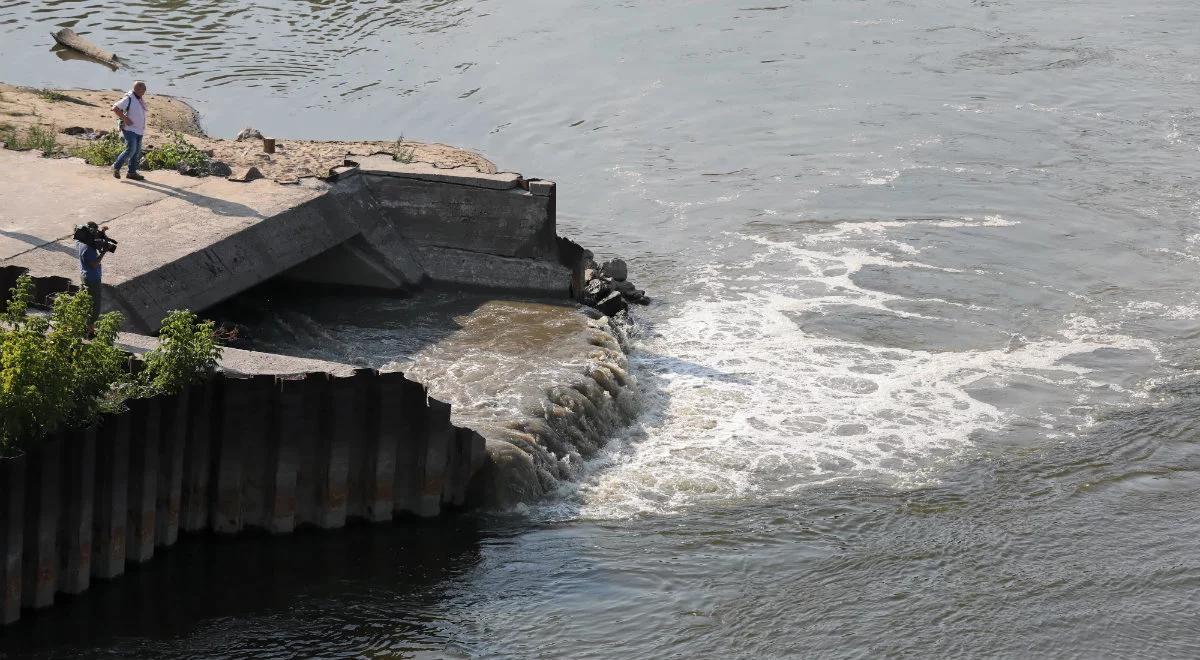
{"x": 921, "y": 375}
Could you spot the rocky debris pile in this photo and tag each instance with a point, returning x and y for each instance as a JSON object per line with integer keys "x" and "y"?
{"x": 233, "y": 335}
{"x": 248, "y": 134}
{"x": 607, "y": 287}
{"x": 84, "y": 133}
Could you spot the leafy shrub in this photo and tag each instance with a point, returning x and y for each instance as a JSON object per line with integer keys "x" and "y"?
{"x": 51, "y": 96}
{"x": 34, "y": 138}
{"x": 51, "y": 377}
{"x": 103, "y": 151}
{"x": 402, "y": 153}
{"x": 187, "y": 350}
{"x": 175, "y": 152}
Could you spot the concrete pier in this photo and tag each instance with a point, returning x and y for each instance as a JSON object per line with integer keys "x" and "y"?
{"x": 272, "y": 443}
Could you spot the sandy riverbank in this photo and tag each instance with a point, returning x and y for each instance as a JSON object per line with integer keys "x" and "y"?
{"x": 22, "y": 107}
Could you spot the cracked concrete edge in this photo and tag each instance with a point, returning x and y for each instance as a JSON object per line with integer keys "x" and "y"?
{"x": 250, "y": 363}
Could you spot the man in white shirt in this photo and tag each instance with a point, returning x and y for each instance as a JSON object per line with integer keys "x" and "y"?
{"x": 132, "y": 111}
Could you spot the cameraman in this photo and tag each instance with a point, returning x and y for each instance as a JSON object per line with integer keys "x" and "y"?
{"x": 90, "y": 274}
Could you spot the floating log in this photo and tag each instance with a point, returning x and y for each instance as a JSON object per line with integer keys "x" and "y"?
{"x": 67, "y": 38}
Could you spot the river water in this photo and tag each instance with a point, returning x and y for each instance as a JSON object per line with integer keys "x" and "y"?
{"x": 921, "y": 375}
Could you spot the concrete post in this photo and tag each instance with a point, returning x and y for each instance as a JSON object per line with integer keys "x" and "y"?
{"x": 306, "y": 425}
{"x": 40, "y": 562}
{"x": 387, "y": 396}
{"x": 352, "y": 418}
{"x": 112, "y": 492}
{"x": 256, "y": 427}
{"x": 197, "y": 471}
{"x": 460, "y": 470}
{"x": 453, "y": 460}
{"x": 478, "y": 459}
{"x": 440, "y": 436}
{"x": 290, "y": 431}
{"x": 144, "y": 440}
{"x": 333, "y": 457}
{"x": 234, "y": 395}
{"x": 12, "y": 536}
{"x": 411, "y": 411}
{"x": 173, "y": 441}
{"x": 78, "y": 498}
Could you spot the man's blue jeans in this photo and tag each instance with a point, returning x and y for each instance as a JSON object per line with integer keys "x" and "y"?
{"x": 133, "y": 151}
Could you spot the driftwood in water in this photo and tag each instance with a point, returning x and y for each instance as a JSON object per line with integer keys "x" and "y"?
{"x": 69, "y": 39}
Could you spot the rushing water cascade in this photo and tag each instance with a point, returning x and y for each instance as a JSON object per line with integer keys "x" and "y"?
{"x": 919, "y": 379}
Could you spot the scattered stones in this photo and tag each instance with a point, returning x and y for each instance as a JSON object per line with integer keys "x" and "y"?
{"x": 187, "y": 170}
{"x": 595, "y": 290}
{"x": 248, "y": 134}
{"x": 83, "y": 133}
{"x": 606, "y": 288}
{"x": 243, "y": 174}
{"x": 616, "y": 269}
{"x": 219, "y": 168}
{"x": 612, "y": 305}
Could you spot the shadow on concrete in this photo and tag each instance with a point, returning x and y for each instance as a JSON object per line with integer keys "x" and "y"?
{"x": 38, "y": 242}
{"x": 214, "y": 204}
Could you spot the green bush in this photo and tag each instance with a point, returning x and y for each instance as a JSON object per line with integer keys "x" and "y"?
{"x": 34, "y": 138}
{"x": 187, "y": 350}
{"x": 402, "y": 153}
{"x": 175, "y": 152}
{"x": 49, "y": 376}
{"x": 52, "y": 377}
{"x": 51, "y": 96}
{"x": 103, "y": 151}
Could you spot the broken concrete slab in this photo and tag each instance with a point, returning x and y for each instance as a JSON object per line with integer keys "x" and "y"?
{"x": 384, "y": 165}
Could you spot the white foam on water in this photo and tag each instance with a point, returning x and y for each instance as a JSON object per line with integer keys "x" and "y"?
{"x": 743, "y": 402}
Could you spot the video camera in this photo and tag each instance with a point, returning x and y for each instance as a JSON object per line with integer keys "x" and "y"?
{"x": 94, "y": 236}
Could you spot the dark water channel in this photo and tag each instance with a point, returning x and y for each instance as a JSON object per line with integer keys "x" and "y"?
{"x": 921, "y": 378}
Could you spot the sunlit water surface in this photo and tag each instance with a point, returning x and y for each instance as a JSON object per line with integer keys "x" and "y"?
{"x": 920, "y": 377}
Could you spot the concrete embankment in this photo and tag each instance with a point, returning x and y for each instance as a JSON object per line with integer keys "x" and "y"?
{"x": 238, "y": 452}
{"x": 272, "y": 444}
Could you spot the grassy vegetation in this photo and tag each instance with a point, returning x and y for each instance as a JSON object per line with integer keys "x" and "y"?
{"x": 51, "y": 96}
{"x": 103, "y": 151}
{"x": 402, "y": 153}
{"x": 176, "y": 151}
{"x": 36, "y": 138}
{"x": 52, "y": 377}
